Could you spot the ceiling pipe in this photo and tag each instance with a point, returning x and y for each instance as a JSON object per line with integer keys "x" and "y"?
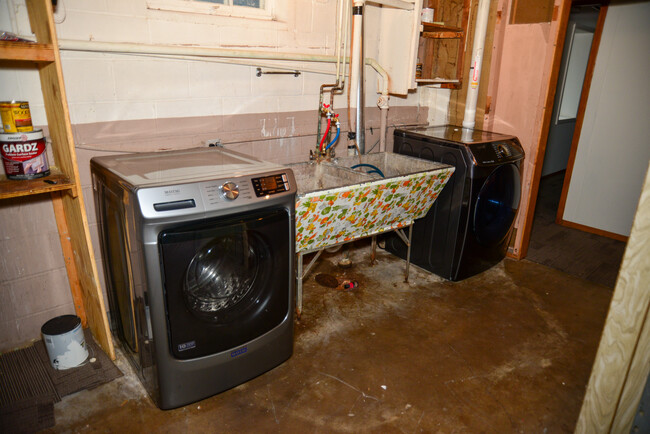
{"x": 182, "y": 50}
{"x": 480, "y": 30}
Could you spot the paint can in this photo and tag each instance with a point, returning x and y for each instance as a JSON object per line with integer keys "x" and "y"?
{"x": 23, "y": 155}
{"x": 65, "y": 342}
{"x": 427, "y": 15}
{"x": 16, "y": 117}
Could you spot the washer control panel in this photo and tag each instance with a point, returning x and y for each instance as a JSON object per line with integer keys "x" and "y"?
{"x": 218, "y": 194}
{"x": 272, "y": 184}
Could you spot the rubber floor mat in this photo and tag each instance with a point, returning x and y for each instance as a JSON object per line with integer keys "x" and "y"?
{"x": 27, "y": 393}
{"x": 29, "y": 385}
{"x": 88, "y": 375}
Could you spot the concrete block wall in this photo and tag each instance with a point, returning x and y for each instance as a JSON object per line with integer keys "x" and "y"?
{"x": 33, "y": 279}
{"x": 134, "y": 103}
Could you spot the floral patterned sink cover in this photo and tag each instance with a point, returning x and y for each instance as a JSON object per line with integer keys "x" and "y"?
{"x": 328, "y": 217}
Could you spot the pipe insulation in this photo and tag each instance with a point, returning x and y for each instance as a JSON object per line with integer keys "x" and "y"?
{"x": 480, "y": 30}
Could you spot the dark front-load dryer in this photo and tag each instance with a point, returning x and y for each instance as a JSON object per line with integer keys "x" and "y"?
{"x": 467, "y": 229}
{"x": 198, "y": 249}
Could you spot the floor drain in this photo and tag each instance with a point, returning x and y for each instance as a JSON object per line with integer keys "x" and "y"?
{"x": 327, "y": 280}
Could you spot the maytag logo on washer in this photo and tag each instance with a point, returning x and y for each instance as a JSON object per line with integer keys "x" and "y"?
{"x": 173, "y": 191}
{"x": 238, "y": 352}
{"x": 187, "y": 346}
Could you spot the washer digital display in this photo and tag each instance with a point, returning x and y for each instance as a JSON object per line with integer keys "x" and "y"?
{"x": 272, "y": 184}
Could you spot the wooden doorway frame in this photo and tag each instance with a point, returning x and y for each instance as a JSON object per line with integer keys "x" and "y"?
{"x": 576, "y": 135}
{"x": 565, "y": 9}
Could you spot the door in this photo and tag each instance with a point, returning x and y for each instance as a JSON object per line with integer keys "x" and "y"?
{"x": 226, "y": 280}
{"x": 577, "y": 46}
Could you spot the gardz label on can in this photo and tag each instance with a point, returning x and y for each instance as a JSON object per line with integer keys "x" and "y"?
{"x": 23, "y": 155}
{"x": 16, "y": 116}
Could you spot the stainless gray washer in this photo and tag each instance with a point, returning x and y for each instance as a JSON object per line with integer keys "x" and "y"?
{"x": 198, "y": 250}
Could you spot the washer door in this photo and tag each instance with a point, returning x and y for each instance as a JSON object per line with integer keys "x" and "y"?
{"x": 497, "y": 205}
{"x": 222, "y": 275}
{"x": 226, "y": 281}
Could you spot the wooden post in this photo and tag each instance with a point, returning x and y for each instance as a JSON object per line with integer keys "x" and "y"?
{"x": 69, "y": 208}
{"x": 622, "y": 363}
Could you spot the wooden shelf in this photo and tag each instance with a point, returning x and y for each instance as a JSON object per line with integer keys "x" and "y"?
{"x": 439, "y": 31}
{"x": 441, "y": 48}
{"x": 437, "y": 81}
{"x": 26, "y": 51}
{"x": 63, "y": 185}
{"x": 56, "y": 181}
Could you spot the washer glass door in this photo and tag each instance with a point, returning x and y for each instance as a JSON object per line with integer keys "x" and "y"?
{"x": 226, "y": 280}
{"x": 497, "y": 205}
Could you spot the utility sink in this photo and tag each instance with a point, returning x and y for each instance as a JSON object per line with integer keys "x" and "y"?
{"x": 336, "y": 204}
{"x": 388, "y": 165}
{"x": 312, "y": 176}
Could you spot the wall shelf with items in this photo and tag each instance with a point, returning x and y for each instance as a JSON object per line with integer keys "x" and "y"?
{"x": 442, "y": 46}
{"x": 56, "y": 181}
{"x": 63, "y": 184}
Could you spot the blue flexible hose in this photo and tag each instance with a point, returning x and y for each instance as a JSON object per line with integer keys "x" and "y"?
{"x": 336, "y": 137}
{"x": 375, "y": 169}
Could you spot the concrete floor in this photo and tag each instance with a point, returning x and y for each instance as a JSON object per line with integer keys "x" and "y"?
{"x": 509, "y": 350}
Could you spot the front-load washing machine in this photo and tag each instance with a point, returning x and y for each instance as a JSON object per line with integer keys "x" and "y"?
{"x": 198, "y": 252}
{"x": 468, "y": 228}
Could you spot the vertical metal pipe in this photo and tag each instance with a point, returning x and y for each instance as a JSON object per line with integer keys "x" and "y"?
{"x": 299, "y": 285}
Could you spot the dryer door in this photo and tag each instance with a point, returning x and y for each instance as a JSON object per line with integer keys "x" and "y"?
{"x": 497, "y": 205}
{"x": 226, "y": 280}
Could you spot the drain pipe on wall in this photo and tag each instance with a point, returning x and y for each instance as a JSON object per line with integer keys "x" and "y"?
{"x": 382, "y": 102}
{"x": 480, "y": 31}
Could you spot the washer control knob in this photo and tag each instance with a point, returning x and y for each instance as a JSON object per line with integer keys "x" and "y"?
{"x": 230, "y": 190}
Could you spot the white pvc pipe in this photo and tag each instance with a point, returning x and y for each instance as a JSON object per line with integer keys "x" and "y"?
{"x": 355, "y": 55}
{"x": 480, "y": 31}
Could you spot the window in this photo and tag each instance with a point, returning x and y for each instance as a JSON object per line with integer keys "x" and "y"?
{"x": 259, "y": 4}
{"x": 259, "y": 9}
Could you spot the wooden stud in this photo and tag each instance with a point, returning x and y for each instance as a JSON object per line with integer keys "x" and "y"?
{"x": 527, "y": 226}
{"x": 622, "y": 362}
{"x": 69, "y": 208}
{"x": 68, "y": 257}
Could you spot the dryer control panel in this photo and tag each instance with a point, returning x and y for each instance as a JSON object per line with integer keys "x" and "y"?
{"x": 486, "y": 154}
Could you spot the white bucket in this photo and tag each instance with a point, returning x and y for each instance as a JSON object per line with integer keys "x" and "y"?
{"x": 65, "y": 342}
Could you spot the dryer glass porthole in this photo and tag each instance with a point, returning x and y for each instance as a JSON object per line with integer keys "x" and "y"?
{"x": 496, "y": 206}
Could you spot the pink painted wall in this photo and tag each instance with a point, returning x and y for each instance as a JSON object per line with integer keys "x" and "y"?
{"x": 518, "y": 85}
